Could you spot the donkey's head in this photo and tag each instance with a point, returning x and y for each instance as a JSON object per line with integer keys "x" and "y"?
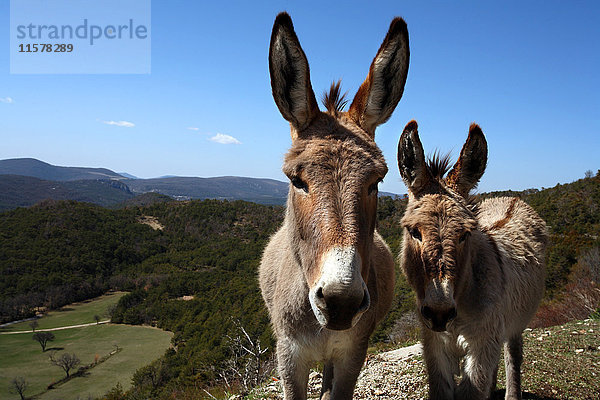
{"x": 334, "y": 167}
{"x": 438, "y": 222}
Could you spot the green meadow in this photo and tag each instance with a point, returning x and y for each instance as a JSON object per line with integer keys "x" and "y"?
{"x": 22, "y": 356}
{"x": 73, "y": 314}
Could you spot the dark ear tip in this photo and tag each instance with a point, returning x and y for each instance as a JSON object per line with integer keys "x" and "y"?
{"x": 398, "y": 25}
{"x": 475, "y": 130}
{"x": 412, "y": 126}
{"x": 283, "y": 19}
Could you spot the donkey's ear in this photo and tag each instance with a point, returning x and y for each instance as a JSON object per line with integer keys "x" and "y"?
{"x": 379, "y": 94}
{"x": 471, "y": 164}
{"x": 411, "y": 160}
{"x": 290, "y": 76}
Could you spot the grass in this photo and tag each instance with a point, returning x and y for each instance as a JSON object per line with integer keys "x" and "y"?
{"x": 73, "y": 314}
{"x": 22, "y": 356}
{"x": 561, "y": 362}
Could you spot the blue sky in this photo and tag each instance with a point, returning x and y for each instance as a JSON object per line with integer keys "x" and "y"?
{"x": 526, "y": 71}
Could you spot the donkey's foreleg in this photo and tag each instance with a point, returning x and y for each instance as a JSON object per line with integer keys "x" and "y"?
{"x": 513, "y": 357}
{"x": 327, "y": 381}
{"x": 494, "y": 380}
{"x": 293, "y": 369}
{"x": 346, "y": 368}
{"x": 441, "y": 364}
{"x": 480, "y": 365}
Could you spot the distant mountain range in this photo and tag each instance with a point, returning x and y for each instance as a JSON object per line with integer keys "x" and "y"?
{"x": 41, "y": 170}
{"x": 126, "y": 175}
{"x": 27, "y": 181}
{"x": 264, "y": 191}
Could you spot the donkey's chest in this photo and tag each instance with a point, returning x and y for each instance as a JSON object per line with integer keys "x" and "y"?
{"x": 465, "y": 334}
{"x": 454, "y": 342}
{"x": 327, "y": 345}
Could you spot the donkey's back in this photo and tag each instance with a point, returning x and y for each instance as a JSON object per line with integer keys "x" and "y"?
{"x": 521, "y": 238}
{"x": 515, "y": 226}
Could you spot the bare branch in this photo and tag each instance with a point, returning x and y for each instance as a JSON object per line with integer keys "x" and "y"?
{"x": 19, "y": 385}
{"x": 66, "y": 361}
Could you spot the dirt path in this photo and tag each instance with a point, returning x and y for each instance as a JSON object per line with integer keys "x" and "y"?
{"x": 57, "y": 329}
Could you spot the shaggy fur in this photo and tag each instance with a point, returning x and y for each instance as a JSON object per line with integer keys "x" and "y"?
{"x": 334, "y": 167}
{"x": 478, "y": 272}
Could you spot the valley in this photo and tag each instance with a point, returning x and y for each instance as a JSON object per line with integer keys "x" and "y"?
{"x": 126, "y": 349}
{"x": 190, "y": 268}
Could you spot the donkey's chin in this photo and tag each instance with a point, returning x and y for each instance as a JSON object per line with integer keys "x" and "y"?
{"x": 339, "y": 322}
{"x": 436, "y": 327}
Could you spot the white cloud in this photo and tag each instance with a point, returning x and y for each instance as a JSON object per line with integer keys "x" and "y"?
{"x": 224, "y": 139}
{"x": 124, "y": 124}
{"x": 6, "y": 100}
{"x": 191, "y": 128}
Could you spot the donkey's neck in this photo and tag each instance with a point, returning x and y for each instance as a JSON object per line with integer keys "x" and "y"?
{"x": 291, "y": 226}
{"x": 483, "y": 275}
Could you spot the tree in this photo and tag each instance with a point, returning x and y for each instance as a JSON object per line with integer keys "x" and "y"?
{"x": 97, "y": 319}
{"x": 34, "y": 324}
{"x": 589, "y": 174}
{"x": 66, "y": 361}
{"x": 111, "y": 310}
{"x": 43, "y": 338}
{"x": 19, "y": 385}
{"x": 116, "y": 393}
{"x": 153, "y": 375}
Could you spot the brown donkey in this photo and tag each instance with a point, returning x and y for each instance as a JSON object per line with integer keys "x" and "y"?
{"x": 477, "y": 269}
{"x": 327, "y": 276}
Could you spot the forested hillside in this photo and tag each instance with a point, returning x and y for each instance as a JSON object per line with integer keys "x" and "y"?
{"x": 191, "y": 268}
{"x": 59, "y": 252}
{"x": 24, "y": 191}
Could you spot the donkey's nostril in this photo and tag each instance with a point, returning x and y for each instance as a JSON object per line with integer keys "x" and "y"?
{"x": 320, "y": 293}
{"x": 366, "y": 302}
{"x": 427, "y": 312}
{"x": 437, "y": 319}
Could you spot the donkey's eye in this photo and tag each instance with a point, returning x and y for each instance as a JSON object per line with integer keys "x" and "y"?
{"x": 299, "y": 184}
{"x": 375, "y": 186}
{"x": 415, "y": 233}
{"x": 464, "y": 236}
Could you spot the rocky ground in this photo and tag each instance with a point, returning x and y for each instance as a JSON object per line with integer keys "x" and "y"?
{"x": 396, "y": 374}
{"x": 561, "y": 362}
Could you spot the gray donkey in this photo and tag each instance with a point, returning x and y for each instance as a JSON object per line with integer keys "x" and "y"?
{"x": 477, "y": 269}
{"x": 327, "y": 276}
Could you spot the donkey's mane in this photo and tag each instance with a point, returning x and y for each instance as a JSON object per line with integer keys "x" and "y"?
{"x": 439, "y": 164}
{"x": 334, "y": 101}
